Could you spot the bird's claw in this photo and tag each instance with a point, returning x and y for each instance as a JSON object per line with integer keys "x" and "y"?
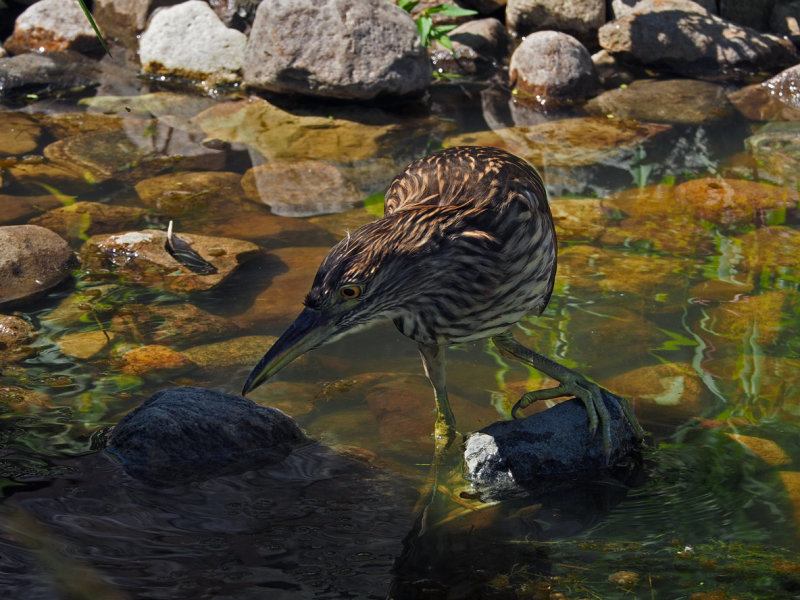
{"x": 591, "y": 395}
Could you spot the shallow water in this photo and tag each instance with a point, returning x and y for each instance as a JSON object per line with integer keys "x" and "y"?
{"x": 676, "y": 288}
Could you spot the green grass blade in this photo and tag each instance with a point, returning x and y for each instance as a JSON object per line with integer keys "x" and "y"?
{"x": 94, "y": 26}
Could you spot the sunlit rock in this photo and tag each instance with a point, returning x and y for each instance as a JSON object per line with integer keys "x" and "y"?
{"x": 141, "y": 258}
{"x": 480, "y": 48}
{"x": 621, "y": 8}
{"x": 52, "y": 26}
{"x": 759, "y": 318}
{"x": 188, "y": 434}
{"x": 579, "y": 219}
{"x": 681, "y": 37}
{"x": 663, "y": 395}
{"x": 777, "y": 98}
{"x": 299, "y": 188}
{"x": 85, "y": 344}
{"x": 351, "y": 135}
{"x": 238, "y": 352}
{"x": 664, "y": 101}
{"x": 139, "y": 150}
{"x": 33, "y": 75}
{"x": 579, "y": 18}
{"x": 32, "y": 261}
{"x": 511, "y": 456}
{"x": 169, "y": 45}
{"x": 550, "y": 67}
{"x": 151, "y": 359}
{"x": 175, "y": 325}
{"x": 767, "y": 450}
{"x": 776, "y": 150}
{"x": 568, "y": 142}
{"x": 657, "y": 280}
{"x": 79, "y": 220}
{"x": 287, "y": 276}
{"x": 364, "y": 49}
{"x": 19, "y": 134}
{"x": 16, "y": 335}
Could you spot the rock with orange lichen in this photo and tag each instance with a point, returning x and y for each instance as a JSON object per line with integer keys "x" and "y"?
{"x": 153, "y": 358}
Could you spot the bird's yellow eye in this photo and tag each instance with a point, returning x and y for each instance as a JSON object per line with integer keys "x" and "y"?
{"x": 350, "y": 292}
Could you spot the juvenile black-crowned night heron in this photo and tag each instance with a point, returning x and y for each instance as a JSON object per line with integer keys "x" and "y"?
{"x": 465, "y": 249}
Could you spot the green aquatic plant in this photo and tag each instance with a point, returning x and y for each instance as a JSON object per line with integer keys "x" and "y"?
{"x": 428, "y": 32}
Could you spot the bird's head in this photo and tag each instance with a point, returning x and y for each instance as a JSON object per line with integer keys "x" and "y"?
{"x": 366, "y": 278}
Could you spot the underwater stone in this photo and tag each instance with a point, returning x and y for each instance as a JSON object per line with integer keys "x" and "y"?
{"x": 191, "y": 433}
{"x": 512, "y": 456}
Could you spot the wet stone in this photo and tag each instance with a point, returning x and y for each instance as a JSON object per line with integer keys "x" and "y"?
{"x": 19, "y": 134}
{"x": 758, "y": 318}
{"x": 33, "y": 74}
{"x": 178, "y": 194}
{"x": 232, "y": 353}
{"x": 32, "y": 261}
{"x": 569, "y": 142}
{"x": 138, "y": 151}
{"x": 189, "y": 434}
{"x": 14, "y": 209}
{"x": 686, "y": 101}
{"x": 663, "y": 395}
{"x": 18, "y": 399}
{"x": 141, "y": 258}
{"x": 776, "y": 149}
{"x": 511, "y": 456}
{"x": 85, "y": 344}
{"x": 69, "y": 124}
{"x": 175, "y": 325}
{"x": 774, "y": 99}
{"x": 299, "y": 188}
{"x": 52, "y": 26}
{"x": 151, "y": 359}
{"x": 81, "y": 219}
{"x": 28, "y": 175}
{"x": 767, "y": 450}
{"x": 16, "y": 335}
{"x": 579, "y": 219}
{"x": 772, "y": 250}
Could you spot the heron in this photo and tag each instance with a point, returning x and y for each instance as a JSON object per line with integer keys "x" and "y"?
{"x": 465, "y": 250}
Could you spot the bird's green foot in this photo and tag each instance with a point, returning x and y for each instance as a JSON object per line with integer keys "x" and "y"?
{"x": 592, "y": 397}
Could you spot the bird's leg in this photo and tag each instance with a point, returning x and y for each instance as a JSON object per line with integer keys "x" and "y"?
{"x": 434, "y": 362}
{"x": 571, "y": 383}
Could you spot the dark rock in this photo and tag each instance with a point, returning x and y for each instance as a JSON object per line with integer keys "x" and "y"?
{"x": 479, "y": 48}
{"x": 38, "y": 75}
{"x": 75, "y": 221}
{"x": 664, "y": 101}
{"x": 681, "y": 37}
{"x": 785, "y": 20}
{"x": 190, "y": 433}
{"x": 753, "y": 13}
{"x": 169, "y": 45}
{"x": 52, "y": 26}
{"x": 32, "y": 261}
{"x": 578, "y": 18}
{"x": 362, "y": 49}
{"x": 774, "y": 99}
{"x": 611, "y": 72}
{"x": 511, "y": 456}
{"x": 621, "y": 8}
{"x": 551, "y": 67}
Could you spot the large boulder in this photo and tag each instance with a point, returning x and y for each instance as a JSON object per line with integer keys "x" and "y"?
{"x": 681, "y": 37}
{"x": 32, "y": 260}
{"x": 579, "y": 18}
{"x": 354, "y": 49}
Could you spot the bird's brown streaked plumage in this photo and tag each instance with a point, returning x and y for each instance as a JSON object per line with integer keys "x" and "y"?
{"x": 465, "y": 249}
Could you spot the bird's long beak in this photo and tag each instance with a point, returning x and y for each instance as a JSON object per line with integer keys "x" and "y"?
{"x": 310, "y": 329}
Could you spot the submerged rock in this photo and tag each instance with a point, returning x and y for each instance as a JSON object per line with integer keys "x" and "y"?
{"x": 362, "y": 49}
{"x": 153, "y": 358}
{"x": 141, "y": 257}
{"x": 512, "y": 456}
{"x": 81, "y": 219}
{"x": 551, "y": 67}
{"x": 681, "y": 37}
{"x": 169, "y": 46}
{"x": 52, "y": 26}
{"x": 19, "y": 135}
{"x": 32, "y": 261}
{"x": 664, "y": 101}
{"x": 189, "y": 433}
{"x": 15, "y": 209}
{"x": 16, "y": 334}
{"x": 777, "y": 98}
{"x": 776, "y": 149}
